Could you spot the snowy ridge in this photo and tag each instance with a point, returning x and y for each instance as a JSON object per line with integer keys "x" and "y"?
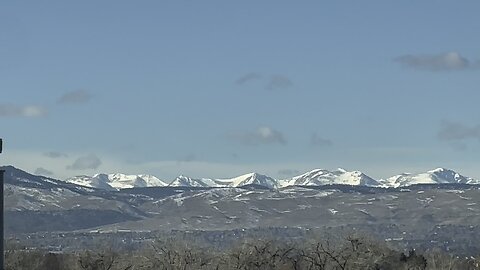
{"x": 250, "y": 179}
{"x": 242, "y": 180}
{"x": 116, "y": 181}
{"x": 436, "y": 176}
{"x": 319, "y": 177}
{"x": 185, "y": 181}
{"x": 316, "y": 177}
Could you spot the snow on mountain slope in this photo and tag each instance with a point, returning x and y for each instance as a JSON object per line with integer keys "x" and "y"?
{"x": 119, "y": 181}
{"x": 185, "y": 181}
{"x": 249, "y": 179}
{"x": 242, "y": 180}
{"x": 319, "y": 177}
{"x": 116, "y": 181}
{"x": 437, "y": 176}
{"x": 96, "y": 181}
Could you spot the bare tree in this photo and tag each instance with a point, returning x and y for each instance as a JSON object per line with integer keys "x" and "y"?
{"x": 19, "y": 258}
{"x": 102, "y": 260}
{"x": 176, "y": 255}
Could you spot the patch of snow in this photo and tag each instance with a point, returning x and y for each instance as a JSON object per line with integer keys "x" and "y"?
{"x": 333, "y": 211}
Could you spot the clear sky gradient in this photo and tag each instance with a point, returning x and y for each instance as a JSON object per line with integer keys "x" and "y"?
{"x": 221, "y": 88}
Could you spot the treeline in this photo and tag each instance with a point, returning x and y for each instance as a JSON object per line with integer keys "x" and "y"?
{"x": 170, "y": 254}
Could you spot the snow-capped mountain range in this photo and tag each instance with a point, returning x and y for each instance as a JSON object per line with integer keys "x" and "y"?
{"x": 316, "y": 177}
{"x": 242, "y": 180}
{"x": 117, "y": 181}
{"x": 437, "y": 176}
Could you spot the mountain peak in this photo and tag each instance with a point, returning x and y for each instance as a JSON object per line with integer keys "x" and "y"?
{"x": 252, "y": 178}
{"x": 435, "y": 176}
{"x": 186, "y": 181}
{"x": 318, "y": 177}
{"x": 440, "y": 169}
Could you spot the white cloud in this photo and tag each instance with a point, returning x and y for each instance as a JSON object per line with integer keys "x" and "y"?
{"x": 436, "y": 62}
{"x": 88, "y": 162}
{"x": 77, "y": 96}
{"x": 277, "y": 82}
{"x": 455, "y": 131}
{"x": 54, "y": 154}
{"x": 252, "y": 76}
{"x": 262, "y": 135}
{"x": 288, "y": 172}
{"x": 29, "y": 111}
{"x": 274, "y": 82}
{"x": 316, "y": 140}
{"x": 43, "y": 171}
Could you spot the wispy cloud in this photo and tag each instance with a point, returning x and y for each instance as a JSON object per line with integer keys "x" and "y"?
{"x": 29, "y": 111}
{"x": 288, "y": 172}
{"x": 43, "y": 171}
{"x": 187, "y": 158}
{"x": 277, "y": 82}
{"x": 437, "y": 62}
{"x": 252, "y": 76}
{"x": 459, "y": 146}
{"x": 316, "y": 140}
{"x": 75, "y": 97}
{"x": 262, "y": 135}
{"x": 88, "y": 162}
{"x": 456, "y": 131}
{"x": 274, "y": 82}
{"x": 54, "y": 154}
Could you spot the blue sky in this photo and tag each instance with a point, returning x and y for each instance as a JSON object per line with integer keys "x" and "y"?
{"x": 220, "y": 88}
